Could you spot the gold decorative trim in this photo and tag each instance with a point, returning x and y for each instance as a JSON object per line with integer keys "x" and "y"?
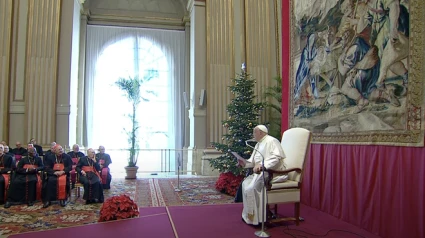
{"x": 277, "y": 36}
{"x": 414, "y": 134}
{"x": 56, "y": 60}
{"x": 29, "y": 39}
{"x": 231, "y": 5}
{"x": 8, "y": 15}
{"x": 208, "y": 61}
{"x": 16, "y": 46}
{"x": 245, "y": 8}
{"x": 220, "y": 53}
{"x": 41, "y": 68}
{"x": 114, "y": 16}
{"x": 267, "y": 37}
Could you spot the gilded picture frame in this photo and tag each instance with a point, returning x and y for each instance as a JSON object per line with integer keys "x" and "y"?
{"x": 354, "y": 81}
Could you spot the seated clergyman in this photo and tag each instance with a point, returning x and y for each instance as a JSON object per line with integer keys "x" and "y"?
{"x": 76, "y": 155}
{"x": 104, "y": 161}
{"x": 6, "y": 166}
{"x": 25, "y": 185}
{"x": 56, "y": 186}
{"x": 88, "y": 169}
{"x": 268, "y": 151}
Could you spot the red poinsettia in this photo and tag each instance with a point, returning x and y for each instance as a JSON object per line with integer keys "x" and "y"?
{"x": 117, "y": 208}
{"x": 228, "y": 183}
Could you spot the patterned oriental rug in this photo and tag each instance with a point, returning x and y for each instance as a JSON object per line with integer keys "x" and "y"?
{"x": 146, "y": 192}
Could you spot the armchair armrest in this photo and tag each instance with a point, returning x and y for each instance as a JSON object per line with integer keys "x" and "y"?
{"x": 281, "y": 172}
{"x": 274, "y": 173}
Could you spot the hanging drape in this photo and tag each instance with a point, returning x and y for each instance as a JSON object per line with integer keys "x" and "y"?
{"x": 378, "y": 188}
{"x": 171, "y": 44}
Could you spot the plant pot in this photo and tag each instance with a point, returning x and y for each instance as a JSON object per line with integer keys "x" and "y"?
{"x": 131, "y": 172}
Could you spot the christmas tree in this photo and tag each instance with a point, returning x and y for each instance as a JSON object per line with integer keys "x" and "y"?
{"x": 243, "y": 117}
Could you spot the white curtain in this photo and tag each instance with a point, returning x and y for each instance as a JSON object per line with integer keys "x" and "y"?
{"x": 109, "y": 55}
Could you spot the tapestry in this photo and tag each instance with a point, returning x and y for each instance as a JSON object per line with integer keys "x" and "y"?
{"x": 356, "y": 74}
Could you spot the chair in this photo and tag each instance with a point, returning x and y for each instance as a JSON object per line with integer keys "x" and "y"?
{"x": 73, "y": 173}
{"x": 7, "y": 176}
{"x": 78, "y": 185}
{"x": 295, "y": 144}
{"x": 74, "y": 178}
{"x": 17, "y": 159}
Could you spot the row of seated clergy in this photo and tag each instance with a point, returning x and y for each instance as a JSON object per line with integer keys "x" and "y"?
{"x": 17, "y": 157}
{"x": 21, "y": 151}
{"x": 102, "y": 158}
{"x": 27, "y": 186}
{"x": 62, "y": 177}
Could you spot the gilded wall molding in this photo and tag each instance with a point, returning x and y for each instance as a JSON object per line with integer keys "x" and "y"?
{"x": 41, "y": 69}
{"x": 262, "y": 46}
{"x": 278, "y": 33}
{"x": 220, "y": 63}
{"x": 6, "y": 25}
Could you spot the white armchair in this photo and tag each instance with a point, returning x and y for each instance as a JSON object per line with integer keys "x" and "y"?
{"x": 296, "y": 144}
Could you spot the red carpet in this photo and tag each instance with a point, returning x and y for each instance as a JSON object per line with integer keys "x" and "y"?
{"x": 206, "y": 221}
{"x": 153, "y": 222}
{"x": 225, "y": 221}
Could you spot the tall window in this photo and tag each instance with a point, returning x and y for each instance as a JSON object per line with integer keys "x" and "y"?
{"x": 116, "y": 52}
{"x": 128, "y": 58}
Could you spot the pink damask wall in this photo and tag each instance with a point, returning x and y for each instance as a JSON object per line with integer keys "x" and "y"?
{"x": 378, "y": 188}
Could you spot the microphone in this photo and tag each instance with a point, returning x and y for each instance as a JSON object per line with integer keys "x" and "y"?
{"x": 250, "y": 140}
{"x": 262, "y": 232}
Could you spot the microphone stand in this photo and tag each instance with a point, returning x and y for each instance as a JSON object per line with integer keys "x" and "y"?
{"x": 178, "y": 175}
{"x": 262, "y": 232}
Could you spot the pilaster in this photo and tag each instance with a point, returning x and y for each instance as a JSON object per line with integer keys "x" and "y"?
{"x": 197, "y": 112}
{"x": 67, "y": 90}
{"x": 6, "y": 13}
{"x": 81, "y": 78}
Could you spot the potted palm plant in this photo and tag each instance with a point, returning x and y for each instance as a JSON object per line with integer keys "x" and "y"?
{"x": 131, "y": 87}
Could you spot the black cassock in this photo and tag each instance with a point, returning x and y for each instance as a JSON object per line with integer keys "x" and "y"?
{"x": 23, "y": 183}
{"x": 106, "y": 161}
{"x": 93, "y": 189}
{"x": 75, "y": 157}
{"x": 50, "y": 184}
{"x": 6, "y": 166}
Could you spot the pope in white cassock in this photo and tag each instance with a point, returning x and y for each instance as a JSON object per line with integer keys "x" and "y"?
{"x": 252, "y": 186}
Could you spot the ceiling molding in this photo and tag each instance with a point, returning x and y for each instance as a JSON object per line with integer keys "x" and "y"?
{"x": 136, "y": 21}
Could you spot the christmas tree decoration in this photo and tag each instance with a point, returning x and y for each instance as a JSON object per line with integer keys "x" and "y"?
{"x": 243, "y": 113}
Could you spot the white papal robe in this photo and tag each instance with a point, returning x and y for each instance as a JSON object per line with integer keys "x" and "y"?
{"x": 252, "y": 186}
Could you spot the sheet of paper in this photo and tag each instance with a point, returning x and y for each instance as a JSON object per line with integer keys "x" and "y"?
{"x": 237, "y": 156}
